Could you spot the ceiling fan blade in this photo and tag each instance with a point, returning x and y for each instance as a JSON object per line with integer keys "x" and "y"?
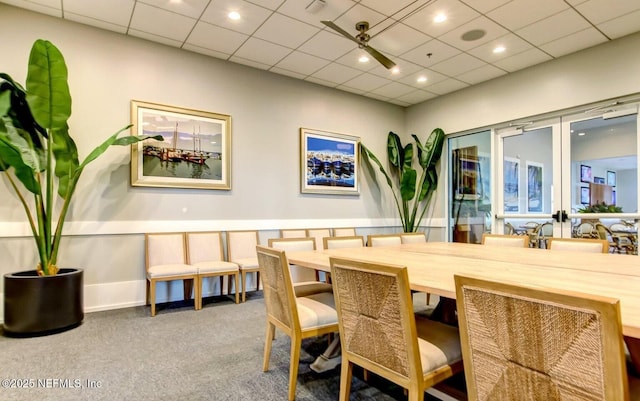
{"x": 341, "y": 31}
{"x": 384, "y": 60}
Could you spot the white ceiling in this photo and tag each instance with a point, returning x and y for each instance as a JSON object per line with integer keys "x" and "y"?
{"x": 286, "y": 36}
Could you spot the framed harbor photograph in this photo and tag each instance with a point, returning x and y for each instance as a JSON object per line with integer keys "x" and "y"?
{"x": 329, "y": 163}
{"x": 535, "y": 196}
{"x": 585, "y": 195}
{"x": 195, "y": 153}
{"x": 511, "y": 185}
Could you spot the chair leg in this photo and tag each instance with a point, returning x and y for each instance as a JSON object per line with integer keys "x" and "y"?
{"x": 221, "y": 280}
{"x": 152, "y": 296}
{"x": 237, "y": 279}
{"x": 197, "y": 293}
{"x": 346, "y": 371}
{"x": 244, "y": 286}
{"x": 271, "y": 332}
{"x": 146, "y": 293}
{"x": 296, "y": 345}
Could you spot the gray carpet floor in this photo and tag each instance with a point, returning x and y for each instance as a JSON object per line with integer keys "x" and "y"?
{"x": 180, "y": 354}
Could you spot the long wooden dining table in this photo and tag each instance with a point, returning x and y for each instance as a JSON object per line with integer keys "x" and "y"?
{"x": 432, "y": 265}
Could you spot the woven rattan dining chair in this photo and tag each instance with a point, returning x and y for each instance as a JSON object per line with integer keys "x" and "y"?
{"x": 166, "y": 260}
{"x": 526, "y": 343}
{"x": 380, "y": 333}
{"x": 206, "y": 253}
{"x": 241, "y": 249}
{"x": 579, "y": 245}
{"x": 376, "y": 240}
{"x": 305, "y": 280}
{"x": 297, "y": 317}
{"x": 516, "y": 241}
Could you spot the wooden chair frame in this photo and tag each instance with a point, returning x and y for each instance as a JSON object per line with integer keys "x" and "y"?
{"x": 234, "y": 257}
{"x": 327, "y": 240}
{"x": 603, "y": 242}
{"x": 523, "y": 239}
{"x": 371, "y": 239}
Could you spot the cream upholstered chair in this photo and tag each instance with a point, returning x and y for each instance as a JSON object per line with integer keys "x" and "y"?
{"x": 318, "y": 234}
{"x": 516, "y": 241}
{"x": 297, "y": 317}
{"x": 241, "y": 249}
{"x": 305, "y": 280}
{"x": 166, "y": 260}
{"x": 344, "y": 232}
{"x": 380, "y": 333}
{"x": 293, "y": 233}
{"x": 353, "y": 241}
{"x": 383, "y": 240}
{"x": 205, "y": 252}
{"x": 413, "y": 238}
{"x": 579, "y": 245}
{"x": 526, "y": 343}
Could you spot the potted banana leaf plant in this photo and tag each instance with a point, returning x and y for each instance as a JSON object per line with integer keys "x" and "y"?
{"x": 39, "y": 158}
{"x": 412, "y": 192}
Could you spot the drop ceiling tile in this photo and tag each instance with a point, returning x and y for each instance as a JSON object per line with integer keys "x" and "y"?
{"x": 48, "y": 7}
{"x": 523, "y": 60}
{"x": 288, "y": 73}
{"x": 188, "y": 8}
{"x": 398, "y": 39}
{"x": 576, "y": 2}
{"x": 357, "y": 13}
{"x": 261, "y": 51}
{"x": 484, "y": 6}
{"x": 216, "y": 38}
{"x": 206, "y": 52}
{"x": 285, "y": 31}
{"x": 366, "y": 82}
{"x": 481, "y": 74}
{"x": 553, "y": 28}
{"x": 430, "y": 53}
{"x": 520, "y": 13}
{"x": 331, "y": 10}
{"x": 389, "y": 8}
{"x": 327, "y": 45}
{"x": 457, "y": 14}
{"x": 161, "y": 23}
{"x": 432, "y": 78}
{"x": 321, "y": 82}
{"x": 377, "y": 97}
{"x": 621, "y": 26}
{"x": 154, "y": 38}
{"x": 393, "y": 90}
{"x": 491, "y": 29}
{"x": 98, "y": 24}
{"x": 270, "y": 4}
{"x": 458, "y": 65}
{"x": 336, "y": 73}
{"x": 352, "y": 58}
{"x": 250, "y": 63}
{"x": 399, "y": 103}
{"x": 512, "y": 44}
{"x": 448, "y": 86}
{"x": 404, "y": 68}
{"x": 116, "y": 12}
{"x": 598, "y": 11}
{"x": 416, "y": 96}
{"x": 574, "y": 42}
{"x": 302, "y": 63}
{"x": 251, "y": 15}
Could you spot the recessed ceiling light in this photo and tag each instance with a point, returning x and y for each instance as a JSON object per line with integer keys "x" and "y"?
{"x": 473, "y": 34}
{"x": 363, "y": 59}
{"x": 499, "y": 49}
{"x": 439, "y": 18}
{"x": 234, "y": 15}
{"x": 581, "y": 134}
{"x": 395, "y": 70}
{"x": 421, "y": 79}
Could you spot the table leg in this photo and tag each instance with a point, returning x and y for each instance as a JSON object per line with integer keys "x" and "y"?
{"x": 446, "y": 312}
{"x": 634, "y": 349}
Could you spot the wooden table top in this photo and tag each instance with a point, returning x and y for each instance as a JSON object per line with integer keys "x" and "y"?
{"x": 431, "y": 267}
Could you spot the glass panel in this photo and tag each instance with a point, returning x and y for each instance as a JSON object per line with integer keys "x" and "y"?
{"x": 470, "y": 183}
{"x": 604, "y": 179}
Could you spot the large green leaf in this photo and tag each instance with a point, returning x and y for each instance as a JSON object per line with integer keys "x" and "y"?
{"x": 114, "y": 140}
{"x": 432, "y": 149}
{"x": 373, "y": 158}
{"x": 66, "y": 156}
{"x": 408, "y": 156}
{"x": 429, "y": 184}
{"x": 408, "y": 184}
{"x": 14, "y": 156}
{"x": 394, "y": 150}
{"x": 13, "y": 103}
{"x": 47, "y": 88}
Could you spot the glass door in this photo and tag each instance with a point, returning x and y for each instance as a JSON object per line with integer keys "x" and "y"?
{"x": 602, "y": 190}
{"x": 529, "y": 181}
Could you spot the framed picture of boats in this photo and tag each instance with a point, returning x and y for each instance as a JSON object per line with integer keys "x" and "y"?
{"x": 195, "y": 153}
{"x": 329, "y": 163}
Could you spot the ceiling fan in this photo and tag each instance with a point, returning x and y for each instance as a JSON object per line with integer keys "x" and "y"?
{"x": 362, "y": 39}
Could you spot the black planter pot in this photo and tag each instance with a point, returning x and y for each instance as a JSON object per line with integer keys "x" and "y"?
{"x": 36, "y": 305}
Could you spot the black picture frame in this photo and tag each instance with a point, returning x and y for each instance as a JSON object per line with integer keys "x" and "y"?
{"x": 585, "y": 173}
{"x": 598, "y": 180}
{"x": 611, "y": 178}
{"x": 585, "y": 195}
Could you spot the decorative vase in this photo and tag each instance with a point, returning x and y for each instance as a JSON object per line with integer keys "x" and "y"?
{"x": 39, "y": 305}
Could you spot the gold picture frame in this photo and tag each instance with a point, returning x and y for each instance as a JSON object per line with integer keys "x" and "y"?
{"x": 195, "y": 153}
{"x": 329, "y": 163}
